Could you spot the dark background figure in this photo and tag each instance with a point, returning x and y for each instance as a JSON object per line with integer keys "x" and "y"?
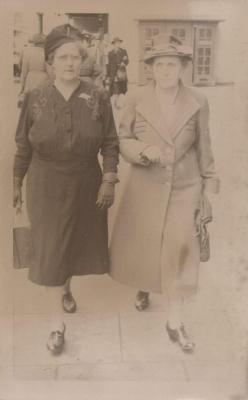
{"x": 116, "y": 69}
{"x": 17, "y": 68}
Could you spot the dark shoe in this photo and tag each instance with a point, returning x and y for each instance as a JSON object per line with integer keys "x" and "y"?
{"x": 68, "y": 302}
{"x": 56, "y": 341}
{"x": 179, "y": 335}
{"x": 142, "y": 300}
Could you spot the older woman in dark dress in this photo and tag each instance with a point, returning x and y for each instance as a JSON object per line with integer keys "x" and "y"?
{"x": 62, "y": 128}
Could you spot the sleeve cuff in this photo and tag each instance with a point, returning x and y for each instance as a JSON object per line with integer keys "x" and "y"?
{"x": 212, "y": 185}
{"x": 17, "y": 181}
{"x": 142, "y": 158}
{"x": 110, "y": 177}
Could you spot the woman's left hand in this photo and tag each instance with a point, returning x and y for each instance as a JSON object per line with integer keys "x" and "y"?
{"x": 206, "y": 208}
{"x": 106, "y": 195}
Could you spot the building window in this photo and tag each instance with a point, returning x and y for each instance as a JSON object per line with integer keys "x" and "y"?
{"x": 200, "y": 35}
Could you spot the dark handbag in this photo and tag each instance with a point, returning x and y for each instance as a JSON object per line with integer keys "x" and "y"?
{"x": 204, "y": 243}
{"x": 22, "y": 243}
{"x": 203, "y": 217}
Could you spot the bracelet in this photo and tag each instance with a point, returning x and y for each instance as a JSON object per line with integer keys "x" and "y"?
{"x": 18, "y": 181}
{"x": 110, "y": 177}
{"x": 111, "y": 181}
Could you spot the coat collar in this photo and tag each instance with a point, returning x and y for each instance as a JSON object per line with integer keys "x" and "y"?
{"x": 186, "y": 106}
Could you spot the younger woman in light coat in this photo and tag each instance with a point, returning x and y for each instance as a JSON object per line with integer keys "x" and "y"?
{"x": 164, "y": 135}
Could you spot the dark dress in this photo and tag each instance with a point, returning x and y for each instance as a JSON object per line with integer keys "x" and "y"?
{"x": 58, "y": 142}
{"x": 116, "y": 57}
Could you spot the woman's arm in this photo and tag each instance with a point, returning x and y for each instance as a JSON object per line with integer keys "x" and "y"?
{"x": 23, "y": 153}
{"x": 205, "y": 156}
{"x": 110, "y": 144}
{"x": 24, "y": 72}
{"x": 110, "y": 154}
{"x": 125, "y": 59}
{"x": 131, "y": 148}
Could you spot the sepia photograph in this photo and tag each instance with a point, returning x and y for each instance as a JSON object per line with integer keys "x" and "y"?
{"x": 124, "y": 200}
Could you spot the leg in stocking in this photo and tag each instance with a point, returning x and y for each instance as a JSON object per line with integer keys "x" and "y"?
{"x": 175, "y": 302}
{"x": 56, "y": 340}
{"x": 54, "y": 293}
{"x": 175, "y": 327}
{"x": 68, "y": 301}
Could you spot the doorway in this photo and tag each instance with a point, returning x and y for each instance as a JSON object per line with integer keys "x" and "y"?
{"x": 93, "y": 23}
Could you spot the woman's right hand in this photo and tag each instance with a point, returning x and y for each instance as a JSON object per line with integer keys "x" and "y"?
{"x": 153, "y": 154}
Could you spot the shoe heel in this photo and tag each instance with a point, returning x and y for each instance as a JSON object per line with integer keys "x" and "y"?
{"x": 172, "y": 333}
{"x": 142, "y": 301}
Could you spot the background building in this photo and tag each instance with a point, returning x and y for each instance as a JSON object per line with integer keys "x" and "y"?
{"x": 211, "y": 27}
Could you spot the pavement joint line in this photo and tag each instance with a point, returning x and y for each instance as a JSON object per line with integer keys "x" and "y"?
{"x": 185, "y": 370}
{"x": 246, "y": 369}
{"x": 120, "y": 337}
{"x": 56, "y": 373}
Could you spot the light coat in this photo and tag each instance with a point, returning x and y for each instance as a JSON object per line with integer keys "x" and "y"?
{"x": 159, "y": 202}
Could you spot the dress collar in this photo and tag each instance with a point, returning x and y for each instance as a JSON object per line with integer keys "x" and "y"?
{"x": 58, "y": 89}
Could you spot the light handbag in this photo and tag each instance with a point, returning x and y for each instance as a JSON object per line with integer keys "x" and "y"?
{"x": 22, "y": 241}
{"x": 121, "y": 74}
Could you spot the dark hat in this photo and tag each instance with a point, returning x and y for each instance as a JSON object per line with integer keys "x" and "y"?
{"x": 170, "y": 46}
{"x": 38, "y": 38}
{"x": 58, "y": 36}
{"x": 116, "y": 39}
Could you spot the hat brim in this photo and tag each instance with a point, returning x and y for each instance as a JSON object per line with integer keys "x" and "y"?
{"x": 117, "y": 40}
{"x": 149, "y": 59}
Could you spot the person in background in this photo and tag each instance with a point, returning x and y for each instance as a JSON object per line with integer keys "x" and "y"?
{"x": 61, "y": 130}
{"x": 33, "y": 67}
{"x": 25, "y": 48}
{"x": 159, "y": 235}
{"x": 101, "y": 58}
{"x": 17, "y": 69}
{"x": 116, "y": 70}
{"x": 90, "y": 69}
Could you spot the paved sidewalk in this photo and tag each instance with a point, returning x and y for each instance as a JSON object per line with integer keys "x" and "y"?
{"x": 108, "y": 341}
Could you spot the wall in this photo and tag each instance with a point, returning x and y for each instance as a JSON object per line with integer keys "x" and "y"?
{"x": 123, "y": 22}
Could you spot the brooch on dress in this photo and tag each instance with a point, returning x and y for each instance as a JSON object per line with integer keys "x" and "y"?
{"x": 40, "y": 103}
{"x": 94, "y": 101}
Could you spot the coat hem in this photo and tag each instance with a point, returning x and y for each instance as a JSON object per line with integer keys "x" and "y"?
{"x": 56, "y": 284}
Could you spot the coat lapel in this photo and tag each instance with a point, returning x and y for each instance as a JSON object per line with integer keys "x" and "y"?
{"x": 186, "y": 106}
{"x": 149, "y": 108}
